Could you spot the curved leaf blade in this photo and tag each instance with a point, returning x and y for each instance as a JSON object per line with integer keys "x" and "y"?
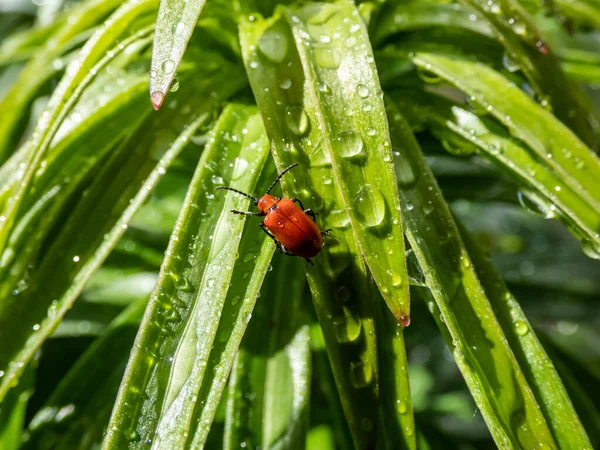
{"x": 525, "y": 45}
{"x": 465, "y": 315}
{"x": 539, "y": 183}
{"x": 275, "y": 365}
{"x": 342, "y": 76}
{"x": 175, "y": 24}
{"x": 166, "y": 373}
{"x": 546, "y": 136}
{"x": 538, "y": 368}
{"x": 338, "y": 279}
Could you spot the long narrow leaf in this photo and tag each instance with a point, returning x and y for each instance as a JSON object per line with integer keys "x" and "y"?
{"x": 158, "y": 402}
{"x": 333, "y": 44}
{"x": 274, "y": 365}
{"x": 476, "y": 338}
{"x": 526, "y": 46}
{"x": 338, "y": 280}
{"x": 550, "y": 140}
{"x": 537, "y": 366}
{"x": 174, "y": 27}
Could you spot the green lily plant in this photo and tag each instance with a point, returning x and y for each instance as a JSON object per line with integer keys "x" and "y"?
{"x": 449, "y": 146}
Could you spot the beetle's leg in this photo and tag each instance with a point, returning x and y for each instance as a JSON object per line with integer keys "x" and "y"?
{"x": 326, "y": 232}
{"x": 311, "y": 213}
{"x": 280, "y": 248}
{"x": 309, "y": 261}
{"x": 296, "y": 200}
{"x": 247, "y": 213}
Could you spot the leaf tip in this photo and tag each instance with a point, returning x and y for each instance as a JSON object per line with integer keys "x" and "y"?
{"x": 157, "y": 98}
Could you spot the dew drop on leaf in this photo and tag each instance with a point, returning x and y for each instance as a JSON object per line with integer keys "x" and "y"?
{"x": 521, "y": 328}
{"x": 296, "y": 119}
{"x": 168, "y": 66}
{"x": 274, "y": 45}
{"x": 369, "y": 206}
{"x": 351, "y": 145}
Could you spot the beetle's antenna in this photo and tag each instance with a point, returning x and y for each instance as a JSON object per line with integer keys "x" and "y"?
{"x": 239, "y": 192}
{"x": 280, "y": 175}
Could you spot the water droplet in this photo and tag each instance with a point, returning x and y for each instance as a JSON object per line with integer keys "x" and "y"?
{"x": 405, "y": 320}
{"x": 342, "y": 294}
{"x": 178, "y": 28}
{"x": 361, "y": 374}
{"x": 397, "y": 279}
{"x": 296, "y": 119}
{"x": 184, "y": 285}
{"x": 347, "y": 326}
{"x": 285, "y": 83}
{"x": 458, "y": 148}
{"x": 339, "y": 218}
{"x": 327, "y": 57}
{"x": 369, "y": 206}
{"x": 174, "y": 85}
{"x": 274, "y": 45}
{"x": 362, "y": 91}
{"x": 405, "y": 174}
{"x": 351, "y": 144}
{"x": 224, "y": 335}
{"x": 521, "y": 328}
{"x": 168, "y": 66}
{"x": 366, "y": 424}
{"x": 239, "y": 169}
{"x": 402, "y": 407}
{"x": 323, "y": 87}
{"x": 36, "y": 327}
{"x": 509, "y": 63}
{"x": 534, "y": 203}
{"x": 591, "y": 249}
{"x": 156, "y": 98}
{"x": 427, "y": 76}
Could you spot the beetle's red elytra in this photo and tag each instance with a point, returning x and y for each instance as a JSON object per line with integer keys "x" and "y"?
{"x": 293, "y": 229}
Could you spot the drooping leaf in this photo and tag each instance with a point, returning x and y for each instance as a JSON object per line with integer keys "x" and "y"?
{"x": 174, "y": 27}
{"x": 548, "y": 140}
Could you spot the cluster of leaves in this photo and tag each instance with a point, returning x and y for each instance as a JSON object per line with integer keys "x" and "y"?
{"x": 189, "y": 332}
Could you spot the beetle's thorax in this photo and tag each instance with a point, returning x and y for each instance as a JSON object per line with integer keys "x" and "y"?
{"x": 266, "y": 202}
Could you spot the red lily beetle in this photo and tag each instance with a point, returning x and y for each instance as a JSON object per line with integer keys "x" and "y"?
{"x": 294, "y": 230}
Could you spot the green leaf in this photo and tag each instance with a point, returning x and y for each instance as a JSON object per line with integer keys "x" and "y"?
{"x": 36, "y": 72}
{"x": 566, "y": 158}
{"x": 117, "y": 192}
{"x": 543, "y": 191}
{"x": 175, "y": 24}
{"x": 79, "y": 75}
{"x": 535, "y": 363}
{"x": 412, "y": 16}
{"x": 174, "y": 380}
{"x": 269, "y": 387}
{"x": 76, "y": 413}
{"x": 463, "y": 311}
{"x": 14, "y": 409}
{"x": 527, "y": 47}
{"x": 338, "y": 279}
{"x": 396, "y": 404}
{"x": 357, "y": 141}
